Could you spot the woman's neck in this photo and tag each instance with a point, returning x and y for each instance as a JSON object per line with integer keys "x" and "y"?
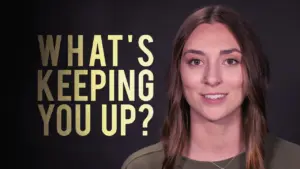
{"x": 215, "y": 141}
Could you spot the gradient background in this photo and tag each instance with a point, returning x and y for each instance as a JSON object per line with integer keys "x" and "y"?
{"x": 277, "y": 24}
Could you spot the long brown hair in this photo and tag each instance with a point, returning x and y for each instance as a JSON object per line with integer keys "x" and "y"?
{"x": 175, "y": 130}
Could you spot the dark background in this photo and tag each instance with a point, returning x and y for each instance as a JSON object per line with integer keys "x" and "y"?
{"x": 277, "y": 24}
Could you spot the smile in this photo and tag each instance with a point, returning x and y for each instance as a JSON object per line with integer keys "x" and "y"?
{"x": 214, "y": 98}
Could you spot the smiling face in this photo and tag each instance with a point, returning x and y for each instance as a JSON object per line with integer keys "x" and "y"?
{"x": 212, "y": 73}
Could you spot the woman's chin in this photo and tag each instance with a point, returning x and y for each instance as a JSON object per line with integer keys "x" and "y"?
{"x": 213, "y": 113}
{"x": 214, "y": 118}
{"x": 217, "y": 117}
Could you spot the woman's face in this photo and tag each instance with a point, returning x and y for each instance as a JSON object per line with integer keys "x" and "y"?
{"x": 212, "y": 73}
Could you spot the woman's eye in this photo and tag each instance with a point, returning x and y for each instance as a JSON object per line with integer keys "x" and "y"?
{"x": 231, "y": 61}
{"x": 195, "y": 62}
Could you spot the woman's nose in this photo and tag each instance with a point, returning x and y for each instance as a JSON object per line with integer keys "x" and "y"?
{"x": 212, "y": 76}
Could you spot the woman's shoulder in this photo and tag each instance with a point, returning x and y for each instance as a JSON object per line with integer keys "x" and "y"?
{"x": 281, "y": 153}
{"x": 147, "y": 157}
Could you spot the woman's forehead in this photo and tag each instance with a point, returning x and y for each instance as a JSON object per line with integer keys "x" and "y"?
{"x": 207, "y": 37}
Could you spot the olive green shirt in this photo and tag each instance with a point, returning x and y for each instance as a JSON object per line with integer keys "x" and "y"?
{"x": 280, "y": 154}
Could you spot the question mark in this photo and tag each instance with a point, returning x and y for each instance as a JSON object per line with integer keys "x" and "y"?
{"x": 148, "y": 118}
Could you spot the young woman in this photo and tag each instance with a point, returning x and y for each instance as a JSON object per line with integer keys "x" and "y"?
{"x": 216, "y": 118}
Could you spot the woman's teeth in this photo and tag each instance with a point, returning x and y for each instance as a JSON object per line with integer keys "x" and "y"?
{"x": 214, "y": 96}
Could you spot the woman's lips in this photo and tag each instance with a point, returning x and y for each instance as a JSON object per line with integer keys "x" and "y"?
{"x": 214, "y": 98}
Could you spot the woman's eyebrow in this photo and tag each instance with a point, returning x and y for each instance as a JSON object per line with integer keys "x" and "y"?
{"x": 222, "y": 52}
{"x": 228, "y": 51}
{"x": 194, "y": 51}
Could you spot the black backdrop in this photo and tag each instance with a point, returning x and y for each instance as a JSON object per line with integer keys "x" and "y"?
{"x": 277, "y": 24}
